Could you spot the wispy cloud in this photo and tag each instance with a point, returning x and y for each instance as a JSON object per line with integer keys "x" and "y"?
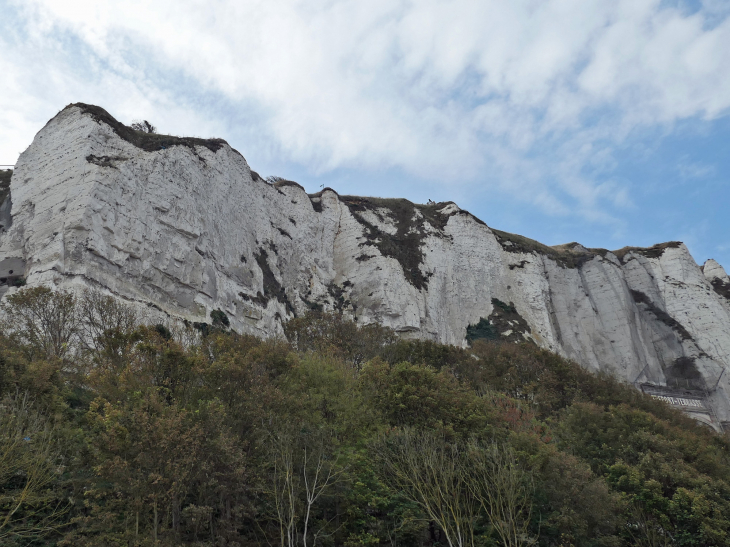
{"x": 691, "y": 170}
{"x": 529, "y": 97}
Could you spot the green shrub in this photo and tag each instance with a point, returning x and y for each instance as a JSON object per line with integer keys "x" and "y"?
{"x": 220, "y": 319}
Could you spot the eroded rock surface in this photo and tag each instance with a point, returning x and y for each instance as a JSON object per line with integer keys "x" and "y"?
{"x": 185, "y": 227}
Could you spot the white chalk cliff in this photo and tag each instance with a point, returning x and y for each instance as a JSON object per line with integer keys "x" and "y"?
{"x": 186, "y": 227}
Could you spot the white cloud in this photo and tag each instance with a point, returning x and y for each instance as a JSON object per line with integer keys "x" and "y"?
{"x": 529, "y": 96}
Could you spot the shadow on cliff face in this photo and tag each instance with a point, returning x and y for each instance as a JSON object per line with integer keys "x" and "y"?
{"x": 5, "y": 176}
{"x": 272, "y": 287}
{"x": 683, "y": 373}
{"x": 644, "y": 302}
{"x": 721, "y": 287}
{"x": 6, "y": 203}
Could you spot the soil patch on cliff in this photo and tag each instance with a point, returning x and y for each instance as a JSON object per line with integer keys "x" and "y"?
{"x": 105, "y": 161}
{"x": 412, "y": 224}
{"x": 150, "y": 142}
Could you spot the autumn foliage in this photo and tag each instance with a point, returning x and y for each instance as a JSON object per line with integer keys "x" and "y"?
{"x": 116, "y": 433}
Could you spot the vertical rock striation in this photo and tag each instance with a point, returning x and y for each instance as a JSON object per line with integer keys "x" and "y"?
{"x": 185, "y": 227}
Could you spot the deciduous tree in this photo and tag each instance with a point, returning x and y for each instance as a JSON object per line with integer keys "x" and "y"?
{"x": 29, "y": 465}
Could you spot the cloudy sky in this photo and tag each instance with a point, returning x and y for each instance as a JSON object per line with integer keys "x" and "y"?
{"x": 604, "y": 122}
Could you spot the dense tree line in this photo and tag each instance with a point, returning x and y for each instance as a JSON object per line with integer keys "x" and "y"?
{"x": 116, "y": 433}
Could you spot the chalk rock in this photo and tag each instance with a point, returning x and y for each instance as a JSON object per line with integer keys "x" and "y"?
{"x": 183, "y": 227}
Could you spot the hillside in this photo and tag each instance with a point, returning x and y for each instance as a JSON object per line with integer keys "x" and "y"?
{"x": 116, "y": 433}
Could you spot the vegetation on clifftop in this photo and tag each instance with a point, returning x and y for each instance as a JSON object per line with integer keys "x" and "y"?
{"x": 139, "y": 136}
{"x": 114, "y": 433}
{"x": 573, "y": 255}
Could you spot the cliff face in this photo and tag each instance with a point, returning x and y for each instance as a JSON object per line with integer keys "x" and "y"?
{"x": 185, "y": 226}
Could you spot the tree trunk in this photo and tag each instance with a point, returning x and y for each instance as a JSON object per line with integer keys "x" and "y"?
{"x": 154, "y": 527}
{"x": 175, "y": 515}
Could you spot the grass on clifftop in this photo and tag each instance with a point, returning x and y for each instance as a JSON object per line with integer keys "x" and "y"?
{"x": 565, "y": 255}
{"x": 571, "y": 255}
{"x": 655, "y": 251}
{"x": 149, "y": 142}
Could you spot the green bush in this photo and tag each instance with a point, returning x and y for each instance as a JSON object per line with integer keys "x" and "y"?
{"x": 220, "y": 319}
{"x": 238, "y": 440}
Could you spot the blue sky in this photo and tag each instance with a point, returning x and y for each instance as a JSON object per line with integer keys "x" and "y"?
{"x": 562, "y": 120}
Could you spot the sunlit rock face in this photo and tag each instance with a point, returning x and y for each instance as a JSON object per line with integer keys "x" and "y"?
{"x": 183, "y": 227}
